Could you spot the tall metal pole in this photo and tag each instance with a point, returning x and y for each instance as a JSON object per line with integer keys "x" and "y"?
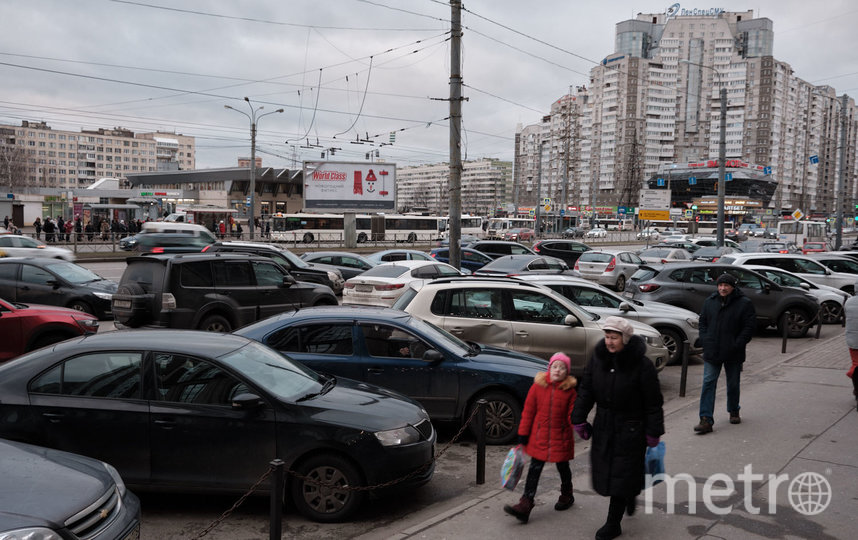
{"x": 250, "y": 218}
{"x": 838, "y": 242}
{"x": 537, "y": 228}
{"x": 722, "y": 157}
{"x": 455, "y": 132}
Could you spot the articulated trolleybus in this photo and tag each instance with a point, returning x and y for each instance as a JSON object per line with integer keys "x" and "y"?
{"x": 321, "y": 228}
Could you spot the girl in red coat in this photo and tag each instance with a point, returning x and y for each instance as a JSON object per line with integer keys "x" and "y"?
{"x": 546, "y": 432}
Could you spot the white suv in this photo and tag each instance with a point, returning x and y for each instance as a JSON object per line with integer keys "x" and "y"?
{"x": 800, "y": 265}
{"x": 517, "y": 315}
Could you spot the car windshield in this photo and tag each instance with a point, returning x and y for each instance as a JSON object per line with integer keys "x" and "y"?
{"x": 294, "y": 259}
{"x": 73, "y": 273}
{"x": 386, "y": 270}
{"x": 596, "y": 256}
{"x": 29, "y": 242}
{"x": 273, "y": 372}
{"x": 655, "y": 253}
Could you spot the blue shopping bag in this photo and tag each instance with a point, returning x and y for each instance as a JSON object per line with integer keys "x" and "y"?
{"x": 512, "y": 467}
{"x": 655, "y": 462}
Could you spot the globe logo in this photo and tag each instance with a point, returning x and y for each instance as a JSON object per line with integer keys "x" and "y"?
{"x": 809, "y": 493}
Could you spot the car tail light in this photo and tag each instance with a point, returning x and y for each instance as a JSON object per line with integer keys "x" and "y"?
{"x": 536, "y": 248}
{"x": 783, "y": 251}
{"x": 206, "y": 248}
{"x": 433, "y": 255}
{"x": 714, "y": 259}
{"x": 576, "y": 266}
{"x": 611, "y": 265}
{"x": 168, "y": 301}
{"x": 648, "y": 287}
{"x": 349, "y": 285}
{"x": 664, "y": 261}
{"x": 157, "y": 250}
{"x": 389, "y": 287}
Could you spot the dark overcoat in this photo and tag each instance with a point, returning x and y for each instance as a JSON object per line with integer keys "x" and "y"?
{"x": 726, "y": 327}
{"x": 625, "y": 390}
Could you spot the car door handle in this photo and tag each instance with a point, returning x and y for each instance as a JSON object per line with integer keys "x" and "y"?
{"x": 54, "y": 418}
{"x": 375, "y": 370}
{"x": 457, "y": 331}
{"x": 166, "y": 423}
{"x": 522, "y": 333}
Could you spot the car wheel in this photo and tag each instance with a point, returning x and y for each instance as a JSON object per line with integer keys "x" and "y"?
{"x": 361, "y": 238}
{"x": 215, "y": 323}
{"x": 322, "y": 491}
{"x": 308, "y": 238}
{"x": 502, "y": 416}
{"x": 830, "y": 312}
{"x": 797, "y": 321}
{"x": 79, "y": 305}
{"x": 674, "y": 343}
{"x": 621, "y": 284}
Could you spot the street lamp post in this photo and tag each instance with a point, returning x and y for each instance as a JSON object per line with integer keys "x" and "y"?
{"x": 254, "y": 119}
{"x": 722, "y": 151}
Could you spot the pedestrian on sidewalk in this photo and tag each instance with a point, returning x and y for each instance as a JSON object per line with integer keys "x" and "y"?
{"x": 545, "y": 430}
{"x": 38, "y": 225}
{"x": 850, "y": 311}
{"x": 621, "y": 382}
{"x": 727, "y": 323}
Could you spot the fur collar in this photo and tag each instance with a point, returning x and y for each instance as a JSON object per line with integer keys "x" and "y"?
{"x": 634, "y": 350}
{"x": 542, "y": 380}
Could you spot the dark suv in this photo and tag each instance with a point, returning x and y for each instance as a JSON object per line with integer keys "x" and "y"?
{"x": 209, "y": 291}
{"x": 688, "y": 285}
{"x": 568, "y": 250}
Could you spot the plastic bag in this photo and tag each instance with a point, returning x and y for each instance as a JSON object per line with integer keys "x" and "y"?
{"x": 512, "y": 467}
{"x": 654, "y": 462}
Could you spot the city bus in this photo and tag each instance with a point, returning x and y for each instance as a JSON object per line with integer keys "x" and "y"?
{"x": 498, "y": 227}
{"x": 471, "y": 225}
{"x": 801, "y": 232}
{"x": 308, "y": 228}
{"x": 616, "y": 224}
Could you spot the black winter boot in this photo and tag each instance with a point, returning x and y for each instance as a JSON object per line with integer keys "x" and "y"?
{"x": 855, "y": 384}
{"x": 566, "y": 499}
{"x": 521, "y": 511}
{"x": 609, "y": 531}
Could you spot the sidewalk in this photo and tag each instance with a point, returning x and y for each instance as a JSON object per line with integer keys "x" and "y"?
{"x": 797, "y": 417}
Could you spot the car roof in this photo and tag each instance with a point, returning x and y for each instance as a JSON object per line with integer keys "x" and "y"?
{"x": 191, "y": 342}
{"x": 326, "y": 313}
{"x": 185, "y": 257}
{"x": 259, "y": 245}
{"x": 410, "y": 263}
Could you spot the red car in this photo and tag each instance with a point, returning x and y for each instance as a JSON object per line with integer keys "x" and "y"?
{"x": 814, "y": 247}
{"x": 26, "y": 327}
{"x": 520, "y": 235}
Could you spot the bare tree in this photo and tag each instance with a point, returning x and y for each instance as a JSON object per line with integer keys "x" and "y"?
{"x": 13, "y": 166}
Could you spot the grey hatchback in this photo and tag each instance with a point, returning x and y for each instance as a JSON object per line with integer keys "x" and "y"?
{"x": 687, "y": 285}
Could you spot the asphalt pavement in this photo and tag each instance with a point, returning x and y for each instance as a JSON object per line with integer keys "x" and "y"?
{"x": 789, "y": 470}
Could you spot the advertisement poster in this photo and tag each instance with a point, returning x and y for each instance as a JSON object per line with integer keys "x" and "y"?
{"x": 337, "y": 186}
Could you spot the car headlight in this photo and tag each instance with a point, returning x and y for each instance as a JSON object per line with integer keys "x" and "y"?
{"x": 120, "y": 485}
{"x": 104, "y": 295}
{"x": 654, "y": 341}
{"x": 398, "y": 437}
{"x": 30, "y": 533}
{"x": 89, "y": 326}
{"x": 693, "y": 323}
{"x": 334, "y": 275}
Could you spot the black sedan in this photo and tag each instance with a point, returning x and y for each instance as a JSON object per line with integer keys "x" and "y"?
{"x": 184, "y": 410}
{"x": 52, "y": 494}
{"x": 391, "y": 348}
{"x": 54, "y": 282}
{"x": 349, "y": 264}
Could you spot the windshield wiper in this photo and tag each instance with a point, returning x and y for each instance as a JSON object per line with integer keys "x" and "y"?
{"x": 473, "y": 349}
{"x": 327, "y": 386}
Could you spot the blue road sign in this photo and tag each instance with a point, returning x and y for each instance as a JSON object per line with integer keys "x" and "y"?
{"x": 621, "y": 209}
{"x": 728, "y": 176}
{"x": 814, "y": 159}
{"x": 692, "y": 181}
{"x": 562, "y": 212}
{"x": 661, "y": 182}
{"x": 767, "y": 170}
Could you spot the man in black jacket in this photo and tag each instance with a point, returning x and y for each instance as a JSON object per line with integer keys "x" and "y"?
{"x": 727, "y": 323}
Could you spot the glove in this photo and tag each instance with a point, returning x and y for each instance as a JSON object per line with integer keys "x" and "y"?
{"x": 583, "y": 430}
{"x": 651, "y": 441}
{"x": 522, "y": 440}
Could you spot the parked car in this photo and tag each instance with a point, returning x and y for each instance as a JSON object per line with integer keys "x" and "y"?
{"x": 518, "y": 315}
{"x": 499, "y": 248}
{"x": 814, "y": 247}
{"x": 56, "y": 283}
{"x": 391, "y": 255}
{"x": 778, "y": 247}
{"x": 573, "y": 232}
{"x": 568, "y": 250}
{"x": 464, "y": 240}
{"x": 382, "y": 285}
{"x": 170, "y": 243}
{"x": 671, "y": 231}
{"x": 513, "y": 265}
{"x": 686, "y": 244}
{"x": 49, "y": 494}
{"x": 802, "y": 265}
{"x": 348, "y": 264}
{"x": 191, "y": 411}
{"x": 837, "y": 263}
{"x": 711, "y": 241}
{"x": 687, "y": 285}
{"x": 596, "y": 232}
{"x": 394, "y": 350}
{"x": 657, "y": 254}
{"x": 209, "y": 291}
{"x": 713, "y": 253}
{"x": 648, "y": 234}
{"x": 298, "y": 268}
{"x": 27, "y": 327}
{"x": 830, "y": 300}
{"x": 14, "y": 245}
{"x": 676, "y": 325}
{"x": 520, "y": 235}
{"x": 469, "y": 259}
{"x": 610, "y": 267}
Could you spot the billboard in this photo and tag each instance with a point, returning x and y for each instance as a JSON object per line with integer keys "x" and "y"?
{"x": 339, "y": 186}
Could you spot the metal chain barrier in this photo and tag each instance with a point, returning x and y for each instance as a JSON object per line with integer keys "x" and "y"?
{"x": 307, "y": 479}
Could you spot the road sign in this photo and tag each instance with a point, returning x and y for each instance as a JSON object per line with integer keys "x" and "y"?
{"x": 654, "y": 215}
{"x": 562, "y": 212}
{"x": 814, "y": 159}
{"x": 767, "y": 170}
{"x": 548, "y": 208}
{"x": 546, "y": 201}
{"x": 692, "y": 180}
{"x": 660, "y": 182}
{"x": 531, "y": 212}
{"x": 654, "y": 199}
{"x": 728, "y": 176}
{"x": 621, "y": 209}
{"x": 797, "y": 215}
{"x": 689, "y": 214}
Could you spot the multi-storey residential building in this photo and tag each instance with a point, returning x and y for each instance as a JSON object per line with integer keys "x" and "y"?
{"x": 486, "y": 186}
{"x": 36, "y": 155}
{"x": 656, "y": 101}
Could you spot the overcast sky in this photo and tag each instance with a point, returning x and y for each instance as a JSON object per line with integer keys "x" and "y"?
{"x": 342, "y": 69}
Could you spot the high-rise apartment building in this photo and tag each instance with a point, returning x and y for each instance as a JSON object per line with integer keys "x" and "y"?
{"x": 486, "y": 185}
{"x": 655, "y": 101}
{"x": 36, "y": 155}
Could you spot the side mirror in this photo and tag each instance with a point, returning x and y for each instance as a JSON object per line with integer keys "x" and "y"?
{"x": 433, "y": 357}
{"x": 54, "y": 283}
{"x": 571, "y": 320}
{"x": 247, "y": 401}
{"x": 288, "y": 281}
{"x": 805, "y": 286}
{"x": 624, "y": 307}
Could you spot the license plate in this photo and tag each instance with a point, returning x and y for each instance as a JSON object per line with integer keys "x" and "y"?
{"x": 363, "y": 288}
{"x": 134, "y": 534}
{"x": 126, "y": 304}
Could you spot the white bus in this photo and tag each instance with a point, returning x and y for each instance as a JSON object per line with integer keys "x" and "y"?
{"x": 710, "y": 227}
{"x": 498, "y": 227}
{"x": 801, "y": 232}
{"x": 308, "y": 228}
{"x": 471, "y": 225}
{"x": 615, "y": 224}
